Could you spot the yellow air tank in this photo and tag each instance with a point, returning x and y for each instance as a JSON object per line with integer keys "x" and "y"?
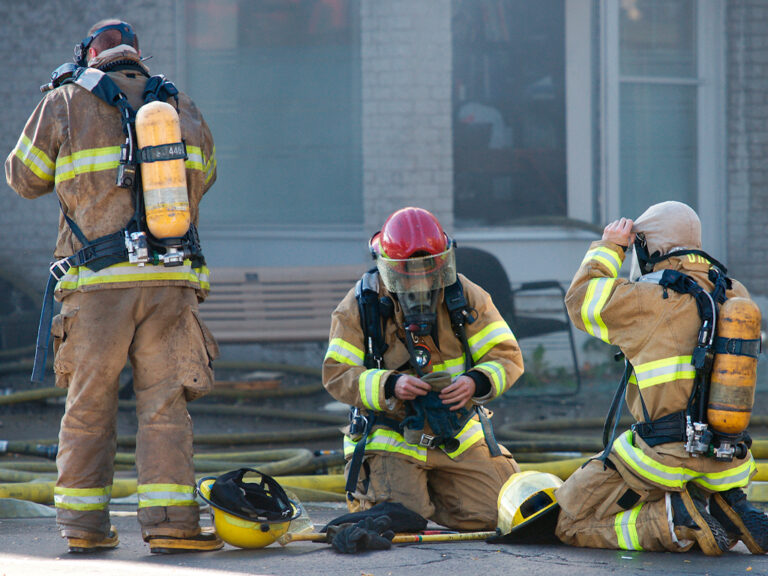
{"x": 166, "y": 202}
{"x": 732, "y": 385}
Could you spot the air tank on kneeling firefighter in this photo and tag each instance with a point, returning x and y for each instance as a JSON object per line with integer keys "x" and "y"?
{"x": 166, "y": 201}
{"x": 732, "y": 383}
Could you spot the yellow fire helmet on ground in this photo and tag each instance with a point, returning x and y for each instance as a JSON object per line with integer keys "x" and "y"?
{"x": 528, "y": 498}
{"x": 248, "y": 514}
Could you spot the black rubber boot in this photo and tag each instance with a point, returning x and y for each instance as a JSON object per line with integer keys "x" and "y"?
{"x": 693, "y": 522}
{"x": 750, "y": 525}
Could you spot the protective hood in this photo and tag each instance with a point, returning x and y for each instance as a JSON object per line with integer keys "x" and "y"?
{"x": 669, "y": 226}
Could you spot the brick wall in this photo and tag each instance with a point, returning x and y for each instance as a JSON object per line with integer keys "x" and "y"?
{"x": 407, "y": 138}
{"x": 37, "y": 37}
{"x": 747, "y": 151}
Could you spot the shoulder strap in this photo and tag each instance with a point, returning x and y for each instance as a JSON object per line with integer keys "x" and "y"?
{"x": 458, "y": 309}
{"x": 367, "y": 295}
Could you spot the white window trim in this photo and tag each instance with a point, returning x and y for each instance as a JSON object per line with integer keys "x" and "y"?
{"x": 578, "y": 106}
{"x": 711, "y": 118}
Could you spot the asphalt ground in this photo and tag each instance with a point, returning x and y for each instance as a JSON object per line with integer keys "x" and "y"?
{"x": 32, "y": 547}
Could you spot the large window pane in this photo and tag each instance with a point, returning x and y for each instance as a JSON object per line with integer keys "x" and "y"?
{"x": 658, "y": 38}
{"x": 658, "y": 146}
{"x": 279, "y": 82}
{"x": 509, "y": 111}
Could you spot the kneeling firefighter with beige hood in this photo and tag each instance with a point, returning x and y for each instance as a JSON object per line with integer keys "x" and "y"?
{"x": 690, "y": 337}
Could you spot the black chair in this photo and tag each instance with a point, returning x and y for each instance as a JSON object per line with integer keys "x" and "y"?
{"x": 484, "y": 269}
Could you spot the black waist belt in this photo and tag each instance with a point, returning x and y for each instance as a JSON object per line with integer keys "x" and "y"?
{"x": 97, "y": 255}
{"x": 670, "y": 428}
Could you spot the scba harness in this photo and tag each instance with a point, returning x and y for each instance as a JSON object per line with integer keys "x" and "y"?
{"x": 445, "y": 424}
{"x": 133, "y": 243}
{"x": 690, "y": 425}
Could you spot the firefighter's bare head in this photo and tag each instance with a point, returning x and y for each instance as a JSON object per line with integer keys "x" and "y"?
{"x": 105, "y": 35}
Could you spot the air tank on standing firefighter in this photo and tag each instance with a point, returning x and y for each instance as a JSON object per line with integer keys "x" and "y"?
{"x": 166, "y": 201}
{"x": 732, "y": 384}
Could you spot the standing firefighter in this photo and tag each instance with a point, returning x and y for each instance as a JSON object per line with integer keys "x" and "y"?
{"x": 416, "y": 351}
{"x": 675, "y": 479}
{"x": 129, "y": 274}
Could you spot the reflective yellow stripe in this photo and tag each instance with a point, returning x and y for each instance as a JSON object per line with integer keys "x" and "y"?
{"x": 196, "y": 161}
{"x": 626, "y": 529}
{"x": 598, "y": 291}
{"x": 210, "y": 166}
{"x": 345, "y": 353}
{"x": 387, "y": 440}
{"x": 454, "y": 367}
{"x": 498, "y": 376}
{"x": 84, "y": 161}
{"x": 35, "y": 159}
{"x": 369, "y": 384}
{"x": 488, "y": 337}
{"x": 662, "y": 371}
{"x": 165, "y": 495}
{"x": 77, "y": 277}
{"x": 470, "y": 435}
{"x": 677, "y": 476}
{"x": 82, "y": 498}
{"x": 607, "y": 257}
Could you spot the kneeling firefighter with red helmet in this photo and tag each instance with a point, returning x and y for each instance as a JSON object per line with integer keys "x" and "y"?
{"x": 416, "y": 351}
{"x": 690, "y": 337}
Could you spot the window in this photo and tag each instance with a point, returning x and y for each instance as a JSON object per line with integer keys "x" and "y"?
{"x": 664, "y": 114}
{"x": 279, "y": 83}
{"x": 658, "y": 103}
{"x": 509, "y": 111}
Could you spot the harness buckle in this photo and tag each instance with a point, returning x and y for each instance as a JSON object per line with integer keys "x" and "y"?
{"x": 60, "y": 268}
{"x": 428, "y": 441}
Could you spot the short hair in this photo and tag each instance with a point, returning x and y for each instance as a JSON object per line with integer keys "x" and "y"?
{"x": 110, "y": 38}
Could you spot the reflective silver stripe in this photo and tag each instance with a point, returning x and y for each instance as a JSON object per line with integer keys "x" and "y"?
{"x": 664, "y": 370}
{"x": 468, "y": 437}
{"x": 165, "y": 495}
{"x": 77, "y": 277}
{"x": 387, "y": 441}
{"x": 677, "y": 476}
{"x": 488, "y": 337}
{"x": 607, "y": 257}
{"x": 598, "y": 291}
{"x": 82, "y": 498}
{"x": 626, "y": 529}
{"x": 34, "y": 159}
{"x": 345, "y": 353}
{"x": 498, "y": 376}
{"x": 369, "y": 384}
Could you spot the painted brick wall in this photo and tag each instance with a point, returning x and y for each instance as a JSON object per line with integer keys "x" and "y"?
{"x": 407, "y": 138}
{"x": 38, "y": 36}
{"x": 747, "y": 156}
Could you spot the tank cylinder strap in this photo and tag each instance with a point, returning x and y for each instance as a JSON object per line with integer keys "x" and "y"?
{"x": 161, "y": 152}
{"x": 737, "y": 346}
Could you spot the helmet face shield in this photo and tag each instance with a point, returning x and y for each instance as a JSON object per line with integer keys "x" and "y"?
{"x": 418, "y": 274}
{"x": 417, "y": 283}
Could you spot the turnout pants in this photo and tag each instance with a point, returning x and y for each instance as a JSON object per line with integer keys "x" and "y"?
{"x": 170, "y": 350}
{"x": 460, "y": 493}
{"x": 600, "y": 509}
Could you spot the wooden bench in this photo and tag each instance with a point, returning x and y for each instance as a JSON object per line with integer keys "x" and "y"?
{"x": 276, "y": 304}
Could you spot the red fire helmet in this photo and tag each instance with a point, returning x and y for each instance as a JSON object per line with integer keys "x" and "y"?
{"x": 410, "y": 231}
